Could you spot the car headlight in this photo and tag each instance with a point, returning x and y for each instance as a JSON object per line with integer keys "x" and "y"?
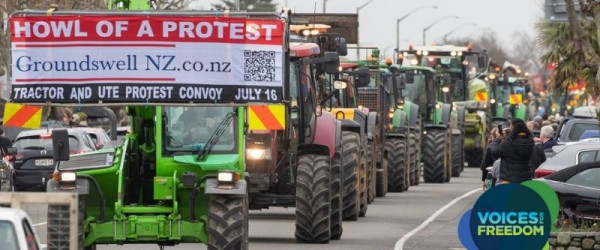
{"x": 68, "y": 176}
{"x": 258, "y": 154}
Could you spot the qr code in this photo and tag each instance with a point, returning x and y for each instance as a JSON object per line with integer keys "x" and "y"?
{"x": 259, "y": 65}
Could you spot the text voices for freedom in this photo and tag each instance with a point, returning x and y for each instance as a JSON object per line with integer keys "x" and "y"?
{"x": 135, "y": 92}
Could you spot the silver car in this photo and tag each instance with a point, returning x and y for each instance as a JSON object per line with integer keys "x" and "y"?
{"x": 569, "y": 155}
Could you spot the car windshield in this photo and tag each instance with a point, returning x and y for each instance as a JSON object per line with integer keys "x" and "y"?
{"x": 190, "y": 128}
{"x": 37, "y": 142}
{"x": 8, "y": 236}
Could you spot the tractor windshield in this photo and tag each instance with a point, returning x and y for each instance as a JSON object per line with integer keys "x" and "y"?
{"x": 189, "y": 128}
{"x": 416, "y": 91}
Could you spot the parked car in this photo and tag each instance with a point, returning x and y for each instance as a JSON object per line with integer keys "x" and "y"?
{"x": 570, "y": 130}
{"x": 578, "y": 190}
{"x": 590, "y": 134}
{"x": 98, "y": 135}
{"x": 33, "y": 164}
{"x": 16, "y": 231}
{"x": 569, "y": 155}
{"x": 12, "y": 132}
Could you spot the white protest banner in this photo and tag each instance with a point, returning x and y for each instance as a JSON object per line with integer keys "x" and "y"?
{"x": 135, "y": 58}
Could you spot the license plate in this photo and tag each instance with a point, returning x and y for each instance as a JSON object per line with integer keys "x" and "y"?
{"x": 44, "y": 162}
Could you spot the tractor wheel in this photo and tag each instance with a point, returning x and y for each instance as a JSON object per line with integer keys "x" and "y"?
{"x": 381, "y": 186}
{"x": 474, "y": 157}
{"x": 227, "y": 222}
{"x": 351, "y": 168}
{"x": 413, "y": 144}
{"x": 336, "y": 197}
{"x": 448, "y": 155}
{"x": 313, "y": 199}
{"x": 363, "y": 184}
{"x": 416, "y": 178}
{"x": 457, "y": 150}
{"x": 371, "y": 171}
{"x": 434, "y": 156}
{"x": 397, "y": 165}
{"x": 58, "y": 226}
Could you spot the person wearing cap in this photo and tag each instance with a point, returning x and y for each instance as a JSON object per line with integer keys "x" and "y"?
{"x": 547, "y": 137}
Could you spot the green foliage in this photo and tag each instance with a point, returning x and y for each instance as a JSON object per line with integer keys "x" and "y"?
{"x": 561, "y": 49}
{"x": 248, "y": 5}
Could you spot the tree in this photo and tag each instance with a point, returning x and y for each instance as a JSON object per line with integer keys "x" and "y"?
{"x": 525, "y": 52}
{"x": 248, "y": 5}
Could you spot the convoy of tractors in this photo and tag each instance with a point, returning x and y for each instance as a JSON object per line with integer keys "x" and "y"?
{"x": 351, "y": 131}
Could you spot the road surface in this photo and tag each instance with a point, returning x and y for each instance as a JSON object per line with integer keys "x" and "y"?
{"x": 388, "y": 220}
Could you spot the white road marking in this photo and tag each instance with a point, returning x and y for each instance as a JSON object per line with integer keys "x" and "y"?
{"x": 40, "y": 224}
{"x": 400, "y": 243}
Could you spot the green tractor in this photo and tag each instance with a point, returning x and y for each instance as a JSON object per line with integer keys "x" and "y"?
{"x": 397, "y": 130}
{"x": 179, "y": 176}
{"x": 466, "y": 90}
{"x": 509, "y": 96}
{"x": 422, "y": 86}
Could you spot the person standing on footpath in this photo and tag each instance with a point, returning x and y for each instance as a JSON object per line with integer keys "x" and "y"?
{"x": 515, "y": 153}
{"x": 494, "y": 141}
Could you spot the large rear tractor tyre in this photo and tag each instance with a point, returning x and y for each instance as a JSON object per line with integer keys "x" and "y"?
{"x": 413, "y": 145}
{"x": 336, "y": 197}
{"x": 381, "y": 187}
{"x": 227, "y": 222}
{"x": 351, "y": 175}
{"x": 457, "y": 150}
{"x": 448, "y": 155}
{"x": 58, "y": 226}
{"x": 474, "y": 157}
{"x": 434, "y": 156}
{"x": 364, "y": 189}
{"x": 371, "y": 172}
{"x": 313, "y": 197}
{"x": 397, "y": 165}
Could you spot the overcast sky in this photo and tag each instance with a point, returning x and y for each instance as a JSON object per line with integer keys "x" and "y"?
{"x": 378, "y": 18}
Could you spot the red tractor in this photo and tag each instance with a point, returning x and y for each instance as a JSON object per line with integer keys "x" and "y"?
{"x": 300, "y": 166}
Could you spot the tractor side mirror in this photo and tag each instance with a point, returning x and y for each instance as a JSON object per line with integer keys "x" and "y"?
{"x": 364, "y": 77}
{"x": 333, "y": 64}
{"x": 481, "y": 61}
{"x": 401, "y": 81}
{"x": 11, "y": 151}
{"x": 409, "y": 77}
{"x": 60, "y": 145}
{"x": 342, "y": 46}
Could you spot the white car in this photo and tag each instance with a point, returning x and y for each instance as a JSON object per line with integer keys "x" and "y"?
{"x": 16, "y": 231}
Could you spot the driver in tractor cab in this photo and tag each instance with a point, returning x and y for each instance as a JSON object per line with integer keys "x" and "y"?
{"x": 193, "y": 124}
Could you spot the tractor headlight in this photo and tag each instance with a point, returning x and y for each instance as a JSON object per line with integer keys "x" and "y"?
{"x": 258, "y": 154}
{"x": 445, "y": 89}
{"x": 492, "y": 101}
{"x": 227, "y": 176}
{"x": 68, "y": 177}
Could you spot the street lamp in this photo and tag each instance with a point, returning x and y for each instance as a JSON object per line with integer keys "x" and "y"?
{"x": 404, "y": 17}
{"x": 434, "y": 23}
{"x": 358, "y": 30}
{"x": 460, "y": 26}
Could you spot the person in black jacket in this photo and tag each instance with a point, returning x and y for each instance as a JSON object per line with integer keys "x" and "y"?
{"x": 515, "y": 154}
{"x": 496, "y": 136}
